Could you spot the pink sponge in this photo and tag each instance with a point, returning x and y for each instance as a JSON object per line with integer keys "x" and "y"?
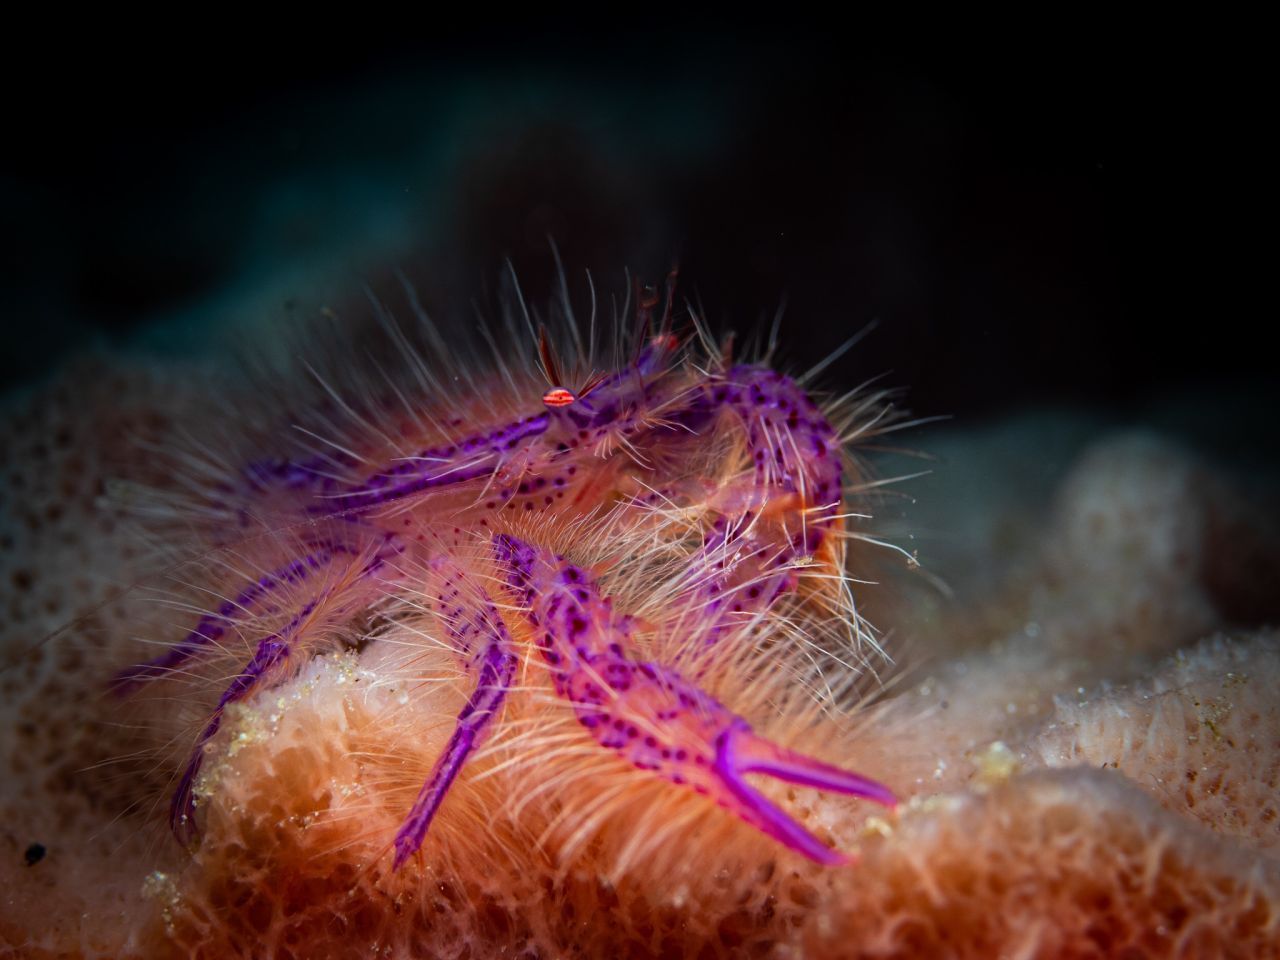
{"x": 1154, "y": 835}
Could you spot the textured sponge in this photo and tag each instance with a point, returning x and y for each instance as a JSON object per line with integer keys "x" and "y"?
{"x": 1085, "y": 774}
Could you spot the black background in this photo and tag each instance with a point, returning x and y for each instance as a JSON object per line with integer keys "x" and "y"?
{"x": 1035, "y": 213}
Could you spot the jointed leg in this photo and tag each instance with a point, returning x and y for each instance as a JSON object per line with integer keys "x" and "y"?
{"x": 212, "y": 627}
{"x": 497, "y": 670}
{"x": 773, "y": 520}
{"x": 471, "y": 621}
{"x": 268, "y": 664}
{"x": 652, "y": 716}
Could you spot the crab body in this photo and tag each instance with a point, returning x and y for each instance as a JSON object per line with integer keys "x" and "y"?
{"x": 458, "y": 524}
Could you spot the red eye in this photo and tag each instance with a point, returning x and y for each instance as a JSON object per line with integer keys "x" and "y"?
{"x": 559, "y": 397}
{"x": 666, "y": 341}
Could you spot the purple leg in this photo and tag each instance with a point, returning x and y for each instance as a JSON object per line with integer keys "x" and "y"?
{"x": 270, "y": 655}
{"x": 776, "y": 517}
{"x": 653, "y": 717}
{"x": 266, "y": 666}
{"x": 470, "y": 620}
{"x": 496, "y": 673}
{"x": 213, "y": 626}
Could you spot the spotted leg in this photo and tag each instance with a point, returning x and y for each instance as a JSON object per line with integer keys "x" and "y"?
{"x": 653, "y": 717}
{"x": 775, "y": 520}
{"x": 269, "y": 665}
{"x": 471, "y": 622}
{"x": 213, "y": 626}
{"x": 268, "y": 661}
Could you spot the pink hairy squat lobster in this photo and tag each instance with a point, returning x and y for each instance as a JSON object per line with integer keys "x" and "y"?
{"x": 731, "y": 471}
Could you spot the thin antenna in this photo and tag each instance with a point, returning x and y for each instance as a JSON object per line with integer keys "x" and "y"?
{"x": 564, "y": 300}
{"x": 773, "y": 330}
{"x": 550, "y": 366}
{"x": 837, "y": 353}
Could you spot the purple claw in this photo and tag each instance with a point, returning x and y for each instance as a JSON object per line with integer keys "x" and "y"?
{"x": 651, "y": 715}
{"x": 740, "y": 751}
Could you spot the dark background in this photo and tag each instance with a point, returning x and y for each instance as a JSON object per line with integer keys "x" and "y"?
{"x": 1035, "y": 213}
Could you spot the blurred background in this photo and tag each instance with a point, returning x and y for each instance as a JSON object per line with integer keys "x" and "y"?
{"x": 1058, "y": 214}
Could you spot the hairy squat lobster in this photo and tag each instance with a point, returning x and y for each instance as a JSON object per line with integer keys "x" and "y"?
{"x": 400, "y": 515}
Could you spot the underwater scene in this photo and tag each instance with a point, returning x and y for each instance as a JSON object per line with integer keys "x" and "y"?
{"x": 706, "y": 494}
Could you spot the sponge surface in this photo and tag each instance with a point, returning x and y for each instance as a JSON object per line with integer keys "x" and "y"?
{"x": 1087, "y": 738}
